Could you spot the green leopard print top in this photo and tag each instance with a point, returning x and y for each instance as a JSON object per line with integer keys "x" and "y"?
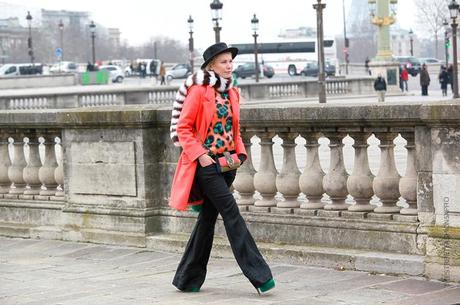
{"x": 220, "y": 133}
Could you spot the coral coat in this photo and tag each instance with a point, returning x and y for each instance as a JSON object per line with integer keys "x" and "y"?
{"x": 196, "y": 116}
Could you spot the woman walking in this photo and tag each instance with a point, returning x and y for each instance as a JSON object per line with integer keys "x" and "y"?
{"x": 206, "y": 124}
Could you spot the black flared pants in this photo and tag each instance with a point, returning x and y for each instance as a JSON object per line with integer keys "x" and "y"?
{"x": 218, "y": 199}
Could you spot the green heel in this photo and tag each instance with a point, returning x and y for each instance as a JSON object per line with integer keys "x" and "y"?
{"x": 270, "y": 284}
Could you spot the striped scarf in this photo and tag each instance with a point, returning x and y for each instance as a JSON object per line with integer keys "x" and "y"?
{"x": 203, "y": 78}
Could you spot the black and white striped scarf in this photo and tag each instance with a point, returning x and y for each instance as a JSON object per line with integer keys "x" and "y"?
{"x": 203, "y": 78}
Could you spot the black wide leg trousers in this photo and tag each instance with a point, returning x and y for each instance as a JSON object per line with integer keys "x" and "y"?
{"x": 191, "y": 271}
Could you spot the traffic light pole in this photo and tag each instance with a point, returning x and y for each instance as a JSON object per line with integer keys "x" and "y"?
{"x": 446, "y": 47}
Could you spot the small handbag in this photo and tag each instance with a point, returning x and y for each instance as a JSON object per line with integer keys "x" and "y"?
{"x": 228, "y": 162}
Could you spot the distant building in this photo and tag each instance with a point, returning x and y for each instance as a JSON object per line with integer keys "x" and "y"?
{"x": 400, "y": 41}
{"x": 69, "y": 18}
{"x": 12, "y": 35}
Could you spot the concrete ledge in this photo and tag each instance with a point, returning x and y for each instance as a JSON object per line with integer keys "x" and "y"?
{"x": 360, "y": 260}
{"x": 14, "y": 230}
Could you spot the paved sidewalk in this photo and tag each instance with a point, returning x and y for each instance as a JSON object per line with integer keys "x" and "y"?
{"x": 45, "y": 272}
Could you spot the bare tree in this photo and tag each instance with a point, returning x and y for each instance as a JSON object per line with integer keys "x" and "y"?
{"x": 430, "y": 16}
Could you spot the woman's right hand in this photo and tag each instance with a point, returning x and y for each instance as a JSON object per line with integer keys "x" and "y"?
{"x": 205, "y": 160}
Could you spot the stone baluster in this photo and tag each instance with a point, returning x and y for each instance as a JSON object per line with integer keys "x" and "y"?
{"x": 386, "y": 183}
{"x": 33, "y": 166}
{"x": 335, "y": 181}
{"x": 16, "y": 170}
{"x": 287, "y": 182}
{"x": 5, "y": 163}
{"x": 46, "y": 172}
{"x": 265, "y": 178}
{"x": 311, "y": 180}
{"x": 59, "y": 172}
{"x": 408, "y": 183}
{"x": 359, "y": 183}
{"x": 244, "y": 181}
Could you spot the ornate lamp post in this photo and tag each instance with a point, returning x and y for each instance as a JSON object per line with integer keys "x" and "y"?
{"x": 92, "y": 29}
{"x": 190, "y": 40}
{"x": 453, "y": 9}
{"x": 29, "y": 40}
{"x": 216, "y": 10}
{"x": 446, "y": 40}
{"x": 255, "y": 28}
{"x": 61, "y": 37}
{"x": 319, "y": 7}
{"x": 411, "y": 39}
{"x": 381, "y": 17}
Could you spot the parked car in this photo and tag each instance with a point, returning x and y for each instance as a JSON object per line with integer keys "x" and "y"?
{"x": 116, "y": 73}
{"x": 179, "y": 71}
{"x": 21, "y": 69}
{"x": 312, "y": 69}
{"x": 429, "y": 60}
{"x": 64, "y": 67}
{"x": 413, "y": 64}
{"x": 249, "y": 69}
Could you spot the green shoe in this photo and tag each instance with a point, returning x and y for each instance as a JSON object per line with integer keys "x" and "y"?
{"x": 270, "y": 284}
{"x": 192, "y": 289}
{"x": 197, "y": 208}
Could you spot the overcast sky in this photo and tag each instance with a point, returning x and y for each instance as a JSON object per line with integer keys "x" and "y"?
{"x": 138, "y": 20}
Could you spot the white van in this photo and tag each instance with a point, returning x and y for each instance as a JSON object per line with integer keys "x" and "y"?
{"x": 20, "y": 69}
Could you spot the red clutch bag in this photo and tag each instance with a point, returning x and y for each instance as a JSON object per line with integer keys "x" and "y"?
{"x": 228, "y": 162}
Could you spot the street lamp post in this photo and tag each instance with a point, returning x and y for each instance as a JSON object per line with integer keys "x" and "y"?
{"x": 92, "y": 28}
{"x": 61, "y": 38}
{"x": 319, "y": 7}
{"x": 29, "y": 40}
{"x": 346, "y": 49}
{"x": 446, "y": 41}
{"x": 255, "y": 28}
{"x": 411, "y": 38}
{"x": 190, "y": 40}
{"x": 216, "y": 10}
{"x": 453, "y": 9}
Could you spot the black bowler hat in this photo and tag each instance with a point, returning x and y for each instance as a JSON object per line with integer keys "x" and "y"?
{"x": 215, "y": 50}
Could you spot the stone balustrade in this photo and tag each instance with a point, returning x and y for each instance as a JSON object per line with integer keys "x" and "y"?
{"x": 381, "y": 178}
{"x": 77, "y": 96}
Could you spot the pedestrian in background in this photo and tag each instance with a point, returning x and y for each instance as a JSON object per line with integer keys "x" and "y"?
{"x": 207, "y": 130}
{"x": 424, "y": 80}
{"x": 366, "y": 65}
{"x": 450, "y": 72}
{"x": 404, "y": 79}
{"x": 443, "y": 80}
{"x": 163, "y": 74}
{"x": 380, "y": 86}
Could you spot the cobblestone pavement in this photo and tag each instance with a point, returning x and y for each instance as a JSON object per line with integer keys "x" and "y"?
{"x": 47, "y": 272}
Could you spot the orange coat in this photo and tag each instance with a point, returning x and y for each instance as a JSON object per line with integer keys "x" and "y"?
{"x": 195, "y": 118}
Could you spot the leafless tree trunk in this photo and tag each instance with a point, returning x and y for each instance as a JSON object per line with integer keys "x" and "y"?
{"x": 430, "y": 17}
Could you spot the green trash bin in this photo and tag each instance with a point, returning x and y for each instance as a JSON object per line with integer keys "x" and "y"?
{"x": 94, "y": 78}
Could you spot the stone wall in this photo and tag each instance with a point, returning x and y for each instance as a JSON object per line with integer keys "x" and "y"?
{"x": 103, "y": 175}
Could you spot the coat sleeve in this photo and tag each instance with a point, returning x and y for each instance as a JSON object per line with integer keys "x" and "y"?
{"x": 186, "y": 126}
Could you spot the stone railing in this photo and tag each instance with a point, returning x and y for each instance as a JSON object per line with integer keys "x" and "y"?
{"x": 314, "y": 176}
{"x": 306, "y": 89}
{"x": 38, "y": 81}
{"x": 73, "y": 97}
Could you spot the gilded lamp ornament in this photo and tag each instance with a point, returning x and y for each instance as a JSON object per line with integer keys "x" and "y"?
{"x": 383, "y": 20}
